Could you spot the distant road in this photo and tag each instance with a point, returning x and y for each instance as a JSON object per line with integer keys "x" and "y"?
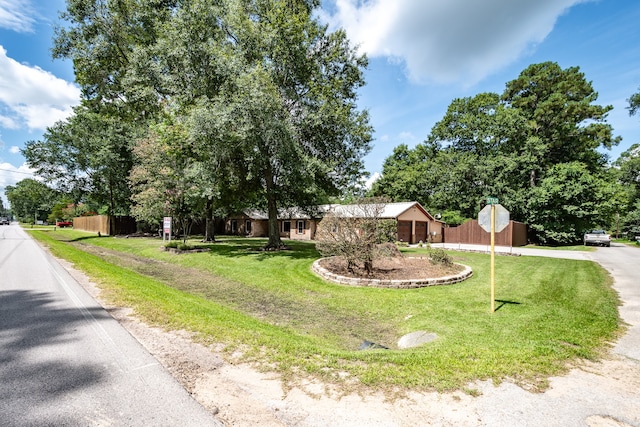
{"x": 549, "y": 253}
{"x": 65, "y": 361}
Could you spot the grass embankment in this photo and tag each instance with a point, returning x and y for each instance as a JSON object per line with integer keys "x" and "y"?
{"x": 276, "y": 312}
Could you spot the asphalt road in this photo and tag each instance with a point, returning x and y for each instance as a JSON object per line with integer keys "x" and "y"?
{"x": 64, "y": 361}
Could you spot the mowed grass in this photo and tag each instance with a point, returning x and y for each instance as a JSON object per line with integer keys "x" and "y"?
{"x": 270, "y": 308}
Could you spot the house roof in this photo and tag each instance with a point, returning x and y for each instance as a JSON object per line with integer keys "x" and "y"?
{"x": 284, "y": 213}
{"x": 382, "y": 210}
{"x": 255, "y": 214}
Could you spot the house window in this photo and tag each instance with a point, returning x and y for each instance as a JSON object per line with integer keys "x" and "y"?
{"x": 234, "y": 226}
{"x": 247, "y": 227}
{"x": 300, "y": 226}
{"x": 286, "y": 226}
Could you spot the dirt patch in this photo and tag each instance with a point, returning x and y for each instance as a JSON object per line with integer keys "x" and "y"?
{"x": 397, "y": 268}
{"x": 310, "y": 316}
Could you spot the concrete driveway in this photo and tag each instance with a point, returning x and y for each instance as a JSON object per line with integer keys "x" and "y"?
{"x": 549, "y": 253}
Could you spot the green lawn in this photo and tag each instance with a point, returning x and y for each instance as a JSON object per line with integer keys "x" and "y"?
{"x": 273, "y": 310}
{"x": 627, "y": 242}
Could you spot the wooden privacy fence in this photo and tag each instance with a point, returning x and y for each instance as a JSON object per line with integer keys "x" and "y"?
{"x": 105, "y": 225}
{"x": 514, "y": 234}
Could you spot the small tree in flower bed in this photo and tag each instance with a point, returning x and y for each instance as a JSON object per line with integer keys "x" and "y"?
{"x": 355, "y": 232}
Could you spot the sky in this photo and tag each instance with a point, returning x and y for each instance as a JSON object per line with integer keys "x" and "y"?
{"x": 422, "y": 54}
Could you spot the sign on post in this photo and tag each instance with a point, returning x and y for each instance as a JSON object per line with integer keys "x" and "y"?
{"x": 493, "y": 218}
{"x": 166, "y": 227}
{"x": 502, "y": 218}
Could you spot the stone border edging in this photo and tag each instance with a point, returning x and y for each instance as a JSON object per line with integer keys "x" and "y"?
{"x": 392, "y": 284}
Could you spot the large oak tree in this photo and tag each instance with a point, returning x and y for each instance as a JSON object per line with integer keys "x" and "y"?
{"x": 261, "y": 85}
{"x": 286, "y": 112}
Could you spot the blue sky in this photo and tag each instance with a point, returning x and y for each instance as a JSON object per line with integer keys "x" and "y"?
{"x": 423, "y": 54}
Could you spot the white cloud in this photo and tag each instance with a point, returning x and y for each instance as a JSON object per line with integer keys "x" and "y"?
{"x": 8, "y": 122}
{"x": 31, "y": 96}
{"x": 10, "y": 175}
{"x": 406, "y": 137}
{"x": 14, "y": 149}
{"x": 373, "y": 178}
{"x": 16, "y": 15}
{"x": 448, "y": 41}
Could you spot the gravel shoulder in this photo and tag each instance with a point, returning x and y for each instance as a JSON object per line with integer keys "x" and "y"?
{"x": 605, "y": 393}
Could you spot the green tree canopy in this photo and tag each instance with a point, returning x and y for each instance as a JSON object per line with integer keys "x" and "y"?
{"x": 563, "y": 123}
{"x": 405, "y": 175}
{"x": 31, "y": 200}
{"x": 4, "y": 211}
{"x": 634, "y": 103}
{"x": 89, "y": 157}
{"x": 101, "y": 37}
{"x": 628, "y": 174}
{"x": 167, "y": 179}
{"x": 286, "y": 112}
{"x": 260, "y": 84}
{"x": 535, "y": 147}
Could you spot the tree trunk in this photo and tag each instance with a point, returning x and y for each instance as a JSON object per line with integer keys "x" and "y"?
{"x": 209, "y": 228}
{"x": 186, "y": 229}
{"x": 275, "y": 243}
{"x": 112, "y": 208}
{"x": 368, "y": 267}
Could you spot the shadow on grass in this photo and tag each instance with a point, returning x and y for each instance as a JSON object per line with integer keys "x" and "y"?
{"x": 61, "y": 238}
{"x": 504, "y": 302}
{"x": 226, "y": 246}
{"x": 236, "y": 247}
{"x": 79, "y": 239}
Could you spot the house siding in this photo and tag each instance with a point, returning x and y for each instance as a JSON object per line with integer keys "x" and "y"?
{"x": 258, "y": 227}
{"x": 308, "y": 229}
{"x": 423, "y": 227}
{"x": 414, "y": 224}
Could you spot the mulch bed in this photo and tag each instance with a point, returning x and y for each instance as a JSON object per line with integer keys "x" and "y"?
{"x": 405, "y": 268}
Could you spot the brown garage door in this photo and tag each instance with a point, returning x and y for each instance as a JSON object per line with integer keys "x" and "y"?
{"x": 404, "y": 231}
{"x": 421, "y": 232}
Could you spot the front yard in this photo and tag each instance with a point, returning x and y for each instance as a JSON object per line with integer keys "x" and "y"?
{"x": 270, "y": 309}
